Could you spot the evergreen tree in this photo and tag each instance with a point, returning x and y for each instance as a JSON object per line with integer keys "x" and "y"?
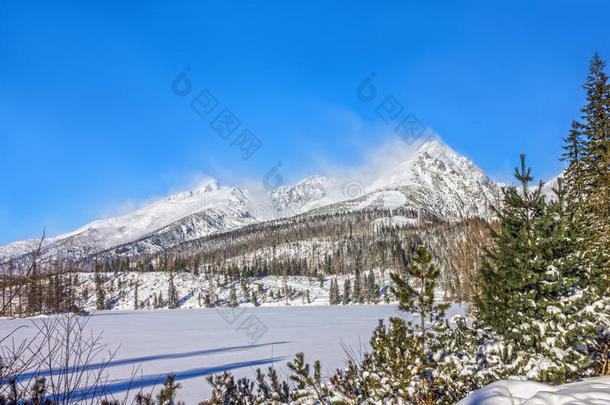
{"x": 207, "y": 302}
{"x": 244, "y": 287}
{"x": 419, "y": 299}
{"x": 136, "y": 303}
{"x": 100, "y": 298}
{"x": 534, "y": 292}
{"x": 333, "y": 292}
{"x": 510, "y": 265}
{"x": 233, "y": 297}
{"x": 254, "y": 300}
{"x": 573, "y": 155}
{"x": 401, "y": 365}
{"x": 34, "y": 292}
{"x": 358, "y": 298}
{"x": 172, "y": 294}
{"x": 596, "y": 133}
{"x": 587, "y": 177}
{"x": 167, "y": 395}
{"x": 346, "y": 291}
{"x": 85, "y": 294}
{"x": 372, "y": 287}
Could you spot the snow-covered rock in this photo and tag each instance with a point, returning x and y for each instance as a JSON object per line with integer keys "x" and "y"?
{"x": 593, "y": 391}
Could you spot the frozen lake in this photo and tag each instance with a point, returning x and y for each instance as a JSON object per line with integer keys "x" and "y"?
{"x": 193, "y": 343}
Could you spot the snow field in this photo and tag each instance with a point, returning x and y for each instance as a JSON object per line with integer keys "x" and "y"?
{"x": 193, "y": 343}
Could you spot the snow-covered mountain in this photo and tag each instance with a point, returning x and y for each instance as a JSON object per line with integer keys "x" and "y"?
{"x": 310, "y": 193}
{"x": 220, "y": 208}
{"x": 431, "y": 177}
{"x": 434, "y": 177}
{"x": 443, "y": 181}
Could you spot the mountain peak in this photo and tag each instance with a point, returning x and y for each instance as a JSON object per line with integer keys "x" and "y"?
{"x": 435, "y": 148}
{"x": 208, "y": 186}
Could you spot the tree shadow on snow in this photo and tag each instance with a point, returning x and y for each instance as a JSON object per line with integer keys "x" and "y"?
{"x": 143, "y": 359}
{"x": 156, "y": 379}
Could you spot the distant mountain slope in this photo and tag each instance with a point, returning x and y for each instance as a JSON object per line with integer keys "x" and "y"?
{"x": 440, "y": 179}
{"x": 432, "y": 177}
{"x": 220, "y": 208}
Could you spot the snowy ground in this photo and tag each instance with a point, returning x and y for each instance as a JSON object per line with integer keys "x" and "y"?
{"x": 193, "y": 343}
{"x": 591, "y": 391}
{"x": 120, "y": 289}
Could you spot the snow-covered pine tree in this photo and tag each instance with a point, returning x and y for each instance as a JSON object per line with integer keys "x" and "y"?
{"x": 534, "y": 293}
{"x": 85, "y": 295}
{"x": 357, "y": 298}
{"x": 233, "y": 297}
{"x": 136, "y": 303}
{"x": 100, "y": 297}
{"x": 569, "y": 305}
{"x": 254, "y": 299}
{"x": 346, "y": 291}
{"x": 172, "y": 294}
{"x": 511, "y": 265}
{"x": 415, "y": 293}
{"x": 372, "y": 287}
{"x": 333, "y": 292}
{"x": 167, "y": 394}
{"x": 244, "y": 287}
{"x": 207, "y": 301}
{"x": 595, "y": 130}
{"x": 401, "y": 365}
{"x": 587, "y": 177}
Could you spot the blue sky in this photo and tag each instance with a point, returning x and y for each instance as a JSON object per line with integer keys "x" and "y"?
{"x": 91, "y": 126}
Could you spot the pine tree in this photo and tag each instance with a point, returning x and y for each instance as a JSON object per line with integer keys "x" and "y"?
{"x": 372, "y": 287}
{"x": 207, "y": 302}
{"x": 572, "y": 175}
{"x": 85, "y": 294}
{"x": 167, "y": 395}
{"x": 587, "y": 177}
{"x": 233, "y": 297}
{"x": 346, "y": 291}
{"x": 401, "y": 364}
{"x": 100, "y": 298}
{"x": 534, "y": 292}
{"x": 419, "y": 299}
{"x": 333, "y": 292}
{"x": 254, "y": 300}
{"x": 565, "y": 295}
{"x": 510, "y": 265}
{"x": 358, "y": 298}
{"x": 244, "y": 287}
{"x": 596, "y": 133}
{"x": 136, "y": 303}
{"x": 172, "y": 294}
{"x": 34, "y": 292}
